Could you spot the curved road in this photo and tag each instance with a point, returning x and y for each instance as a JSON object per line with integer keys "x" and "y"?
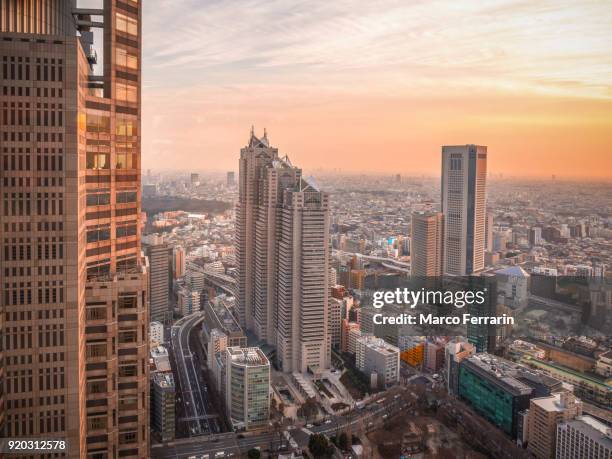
{"x": 194, "y": 406}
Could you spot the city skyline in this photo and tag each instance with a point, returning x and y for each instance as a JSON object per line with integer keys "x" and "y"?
{"x": 400, "y": 81}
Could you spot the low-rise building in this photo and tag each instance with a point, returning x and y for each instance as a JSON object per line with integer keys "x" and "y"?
{"x": 375, "y": 355}
{"x": 490, "y": 386}
{"x": 156, "y": 333}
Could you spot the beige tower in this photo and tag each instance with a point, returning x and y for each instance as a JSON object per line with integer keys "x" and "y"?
{"x": 464, "y": 176}
{"x": 282, "y": 247}
{"x": 74, "y": 283}
{"x": 426, "y": 256}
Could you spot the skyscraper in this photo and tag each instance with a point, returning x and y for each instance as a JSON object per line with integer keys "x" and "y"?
{"x": 282, "y": 248}
{"x": 159, "y": 280}
{"x": 464, "y": 174}
{"x": 427, "y": 253}
{"x": 74, "y": 284}
{"x": 231, "y": 181}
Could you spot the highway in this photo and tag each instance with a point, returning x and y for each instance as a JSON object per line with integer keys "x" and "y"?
{"x": 192, "y": 398}
{"x": 370, "y": 417}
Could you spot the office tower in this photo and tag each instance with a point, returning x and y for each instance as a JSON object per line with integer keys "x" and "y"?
{"x": 247, "y": 387}
{"x": 490, "y": 386}
{"x": 159, "y": 289}
{"x": 74, "y": 303}
{"x": 282, "y": 249}
{"x": 489, "y": 231}
{"x": 535, "y": 236}
{"x": 231, "y": 179}
{"x": 376, "y": 356}
{"x": 194, "y": 178}
{"x": 426, "y": 258}
{"x": 584, "y": 436}
{"x": 542, "y": 418}
{"x": 464, "y": 175}
{"x": 178, "y": 262}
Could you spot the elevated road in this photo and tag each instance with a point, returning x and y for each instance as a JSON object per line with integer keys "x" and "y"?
{"x": 193, "y": 403}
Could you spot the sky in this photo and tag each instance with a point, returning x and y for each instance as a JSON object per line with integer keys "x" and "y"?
{"x": 380, "y": 86}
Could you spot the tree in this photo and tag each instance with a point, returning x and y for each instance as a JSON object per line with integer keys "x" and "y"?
{"x": 319, "y": 446}
{"x": 342, "y": 441}
{"x": 309, "y": 409}
{"x": 254, "y": 453}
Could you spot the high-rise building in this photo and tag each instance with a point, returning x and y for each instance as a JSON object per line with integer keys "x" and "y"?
{"x": 194, "y": 178}
{"x": 159, "y": 281}
{"x": 74, "y": 284}
{"x": 163, "y": 405}
{"x": 464, "y": 175}
{"x": 178, "y": 262}
{"x": 535, "y": 236}
{"x": 282, "y": 250}
{"x": 584, "y": 436}
{"x": 542, "y": 419}
{"x": 426, "y": 258}
{"x": 231, "y": 180}
{"x": 247, "y": 387}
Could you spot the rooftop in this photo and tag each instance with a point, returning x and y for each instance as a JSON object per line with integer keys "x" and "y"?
{"x": 591, "y": 428}
{"x": 552, "y": 403}
{"x": 504, "y": 371}
{"x": 250, "y": 356}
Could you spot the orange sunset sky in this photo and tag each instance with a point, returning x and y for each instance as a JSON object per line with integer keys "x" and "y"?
{"x": 380, "y": 86}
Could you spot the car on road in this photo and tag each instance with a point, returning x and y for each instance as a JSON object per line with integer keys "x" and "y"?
{"x": 329, "y": 421}
{"x": 309, "y": 426}
{"x": 220, "y": 454}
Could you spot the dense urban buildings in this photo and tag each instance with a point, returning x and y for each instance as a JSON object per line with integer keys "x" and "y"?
{"x": 74, "y": 283}
{"x": 282, "y": 251}
{"x": 464, "y": 175}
